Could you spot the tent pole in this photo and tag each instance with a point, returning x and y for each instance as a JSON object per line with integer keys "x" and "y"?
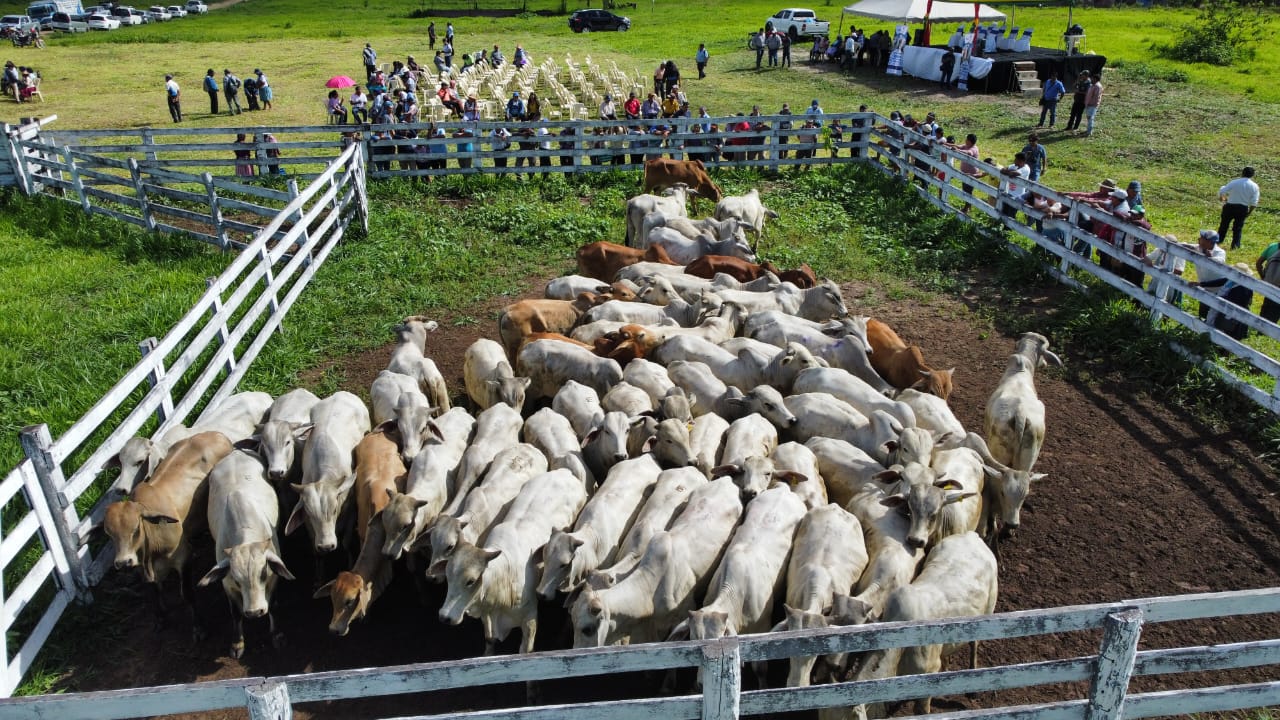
{"x": 928, "y": 9}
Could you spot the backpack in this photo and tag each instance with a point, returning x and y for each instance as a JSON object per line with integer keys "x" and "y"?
{"x": 234, "y": 82}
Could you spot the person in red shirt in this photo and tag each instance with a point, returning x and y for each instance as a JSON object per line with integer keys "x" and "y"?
{"x": 632, "y": 107}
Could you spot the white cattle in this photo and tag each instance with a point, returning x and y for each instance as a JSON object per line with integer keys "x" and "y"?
{"x": 716, "y": 329}
{"x": 749, "y": 438}
{"x": 569, "y": 287}
{"x": 747, "y": 209}
{"x": 408, "y": 358}
{"x": 242, "y": 519}
{"x": 751, "y": 573}
{"x": 497, "y": 582}
{"x": 627, "y": 399}
{"x": 796, "y": 466}
{"x": 282, "y": 433}
{"x": 675, "y": 405}
{"x": 684, "y": 314}
{"x": 237, "y": 417}
{"x": 399, "y": 404}
{"x": 606, "y": 444}
{"x": 923, "y": 495}
{"x": 551, "y": 433}
{"x": 672, "y": 572}
{"x": 779, "y": 328}
{"x": 817, "y": 303}
{"x": 959, "y": 579}
{"x": 497, "y": 429}
{"x": 596, "y": 534}
{"x": 845, "y": 469}
{"x": 485, "y": 505}
{"x": 684, "y": 250}
{"x": 665, "y": 288}
{"x": 824, "y": 415}
{"x": 848, "y": 349}
{"x": 672, "y": 204}
{"x": 407, "y": 515}
{"x": 650, "y": 377}
{"x": 827, "y": 558}
{"x": 488, "y": 376}
{"x": 963, "y": 468}
{"x": 549, "y": 364}
{"x": 590, "y": 332}
{"x": 891, "y": 564}
{"x": 729, "y": 229}
{"x": 932, "y": 413}
{"x": 706, "y": 436}
{"x": 853, "y": 390}
{"x": 1014, "y": 421}
{"x": 669, "y": 496}
{"x": 637, "y": 272}
{"x": 671, "y": 445}
{"x": 1003, "y": 494}
{"x": 338, "y": 423}
{"x": 580, "y": 405}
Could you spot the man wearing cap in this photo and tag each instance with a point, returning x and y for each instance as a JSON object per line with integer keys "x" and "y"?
{"x": 650, "y": 109}
{"x": 211, "y": 87}
{"x": 1133, "y": 245}
{"x": 814, "y": 113}
{"x": 173, "y": 94}
{"x": 1239, "y": 198}
{"x": 515, "y": 107}
{"x": 1101, "y": 195}
{"x": 608, "y": 111}
{"x": 1209, "y": 273}
{"x": 1037, "y": 158}
{"x": 231, "y": 91}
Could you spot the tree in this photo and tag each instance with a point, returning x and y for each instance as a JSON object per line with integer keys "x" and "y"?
{"x": 1223, "y": 33}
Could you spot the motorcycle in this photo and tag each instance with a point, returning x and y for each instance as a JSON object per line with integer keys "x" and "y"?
{"x": 26, "y": 39}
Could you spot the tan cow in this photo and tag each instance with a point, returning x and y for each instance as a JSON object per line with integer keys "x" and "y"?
{"x": 150, "y": 529}
{"x": 661, "y": 173}
{"x": 602, "y": 260}
{"x": 521, "y": 319}
{"x": 902, "y": 365}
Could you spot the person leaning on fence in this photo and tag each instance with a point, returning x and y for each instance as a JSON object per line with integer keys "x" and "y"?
{"x": 1162, "y": 259}
{"x": 273, "y": 153}
{"x": 231, "y": 91}
{"x": 1013, "y": 191}
{"x": 1236, "y": 294}
{"x": 970, "y": 149}
{"x": 1133, "y": 245}
{"x": 244, "y": 168}
{"x": 1209, "y": 273}
{"x": 1268, "y": 267}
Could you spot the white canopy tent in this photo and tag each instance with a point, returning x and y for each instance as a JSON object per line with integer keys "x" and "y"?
{"x": 916, "y": 11}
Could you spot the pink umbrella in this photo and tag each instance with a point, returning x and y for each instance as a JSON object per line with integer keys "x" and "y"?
{"x": 340, "y": 81}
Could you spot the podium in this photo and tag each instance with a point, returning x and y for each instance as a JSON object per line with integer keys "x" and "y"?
{"x": 1074, "y": 44}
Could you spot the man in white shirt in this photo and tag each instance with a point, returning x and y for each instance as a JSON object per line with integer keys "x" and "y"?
{"x": 1019, "y": 170}
{"x": 173, "y": 94}
{"x": 1210, "y": 273}
{"x": 1239, "y": 197}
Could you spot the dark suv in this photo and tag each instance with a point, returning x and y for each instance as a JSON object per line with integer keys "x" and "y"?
{"x": 591, "y": 20}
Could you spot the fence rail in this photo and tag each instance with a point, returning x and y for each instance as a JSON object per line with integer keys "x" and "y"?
{"x": 1109, "y": 672}
{"x": 199, "y": 361}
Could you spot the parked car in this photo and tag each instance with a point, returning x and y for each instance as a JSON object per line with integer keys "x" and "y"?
{"x": 177, "y": 11}
{"x": 128, "y": 16}
{"x": 592, "y": 20}
{"x": 159, "y": 13}
{"x": 10, "y": 24}
{"x": 63, "y": 22}
{"x": 98, "y": 21}
{"x": 196, "y": 7}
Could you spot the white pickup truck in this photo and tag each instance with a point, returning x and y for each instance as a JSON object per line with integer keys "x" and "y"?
{"x": 798, "y": 23}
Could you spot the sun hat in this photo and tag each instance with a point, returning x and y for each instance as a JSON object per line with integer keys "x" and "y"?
{"x": 1108, "y": 183}
{"x": 471, "y": 94}
{"x": 1119, "y": 194}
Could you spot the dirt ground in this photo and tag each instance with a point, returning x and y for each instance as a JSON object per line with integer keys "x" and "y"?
{"x": 1140, "y": 501}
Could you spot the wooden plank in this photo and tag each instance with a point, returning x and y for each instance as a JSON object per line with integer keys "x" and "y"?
{"x": 678, "y": 708}
{"x": 268, "y": 701}
{"x": 114, "y": 214}
{"x": 174, "y": 193}
{"x": 26, "y": 589}
{"x": 1110, "y": 683}
{"x": 109, "y": 196}
{"x": 1205, "y": 605}
{"x": 131, "y": 702}
{"x": 26, "y": 655}
{"x": 1207, "y": 657}
{"x": 16, "y": 539}
{"x": 1066, "y": 710}
{"x": 721, "y": 672}
{"x": 1202, "y": 700}
{"x": 48, "y": 504}
{"x": 241, "y": 205}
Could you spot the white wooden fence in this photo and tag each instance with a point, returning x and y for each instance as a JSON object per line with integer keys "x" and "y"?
{"x": 722, "y": 697}
{"x": 53, "y": 500}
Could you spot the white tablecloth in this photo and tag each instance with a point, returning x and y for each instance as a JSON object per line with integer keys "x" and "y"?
{"x": 923, "y": 62}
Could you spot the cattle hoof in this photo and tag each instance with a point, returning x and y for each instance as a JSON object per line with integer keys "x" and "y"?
{"x": 237, "y": 650}
{"x": 279, "y": 641}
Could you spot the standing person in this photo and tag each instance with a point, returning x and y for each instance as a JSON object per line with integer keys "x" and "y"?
{"x": 1079, "y": 92}
{"x": 251, "y": 92}
{"x": 969, "y": 148}
{"x": 783, "y": 125}
{"x": 1092, "y": 100}
{"x": 231, "y": 89}
{"x": 264, "y": 89}
{"x": 670, "y": 77}
{"x": 273, "y": 153}
{"x": 814, "y": 113}
{"x": 1162, "y": 259}
{"x": 1239, "y": 198}
{"x": 946, "y": 67}
{"x": 431, "y": 35}
{"x": 446, "y": 52}
{"x": 500, "y": 142}
{"x": 1019, "y": 170}
{"x": 211, "y": 87}
{"x": 1053, "y": 92}
{"x": 370, "y": 57}
{"x": 758, "y": 44}
{"x": 1037, "y": 158}
{"x": 786, "y": 49}
{"x": 1268, "y": 266}
{"x": 774, "y": 43}
{"x": 448, "y": 32}
{"x": 1209, "y": 274}
{"x": 244, "y": 168}
{"x": 701, "y": 59}
{"x": 173, "y": 94}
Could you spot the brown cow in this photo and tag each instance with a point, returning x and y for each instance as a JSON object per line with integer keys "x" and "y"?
{"x": 626, "y": 344}
{"x": 561, "y": 337}
{"x": 708, "y": 265}
{"x": 902, "y": 365}
{"x": 660, "y": 173}
{"x": 150, "y": 529}
{"x": 602, "y": 260}
{"x": 520, "y": 319}
{"x": 802, "y": 277}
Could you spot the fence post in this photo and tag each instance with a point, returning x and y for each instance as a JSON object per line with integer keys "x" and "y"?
{"x": 149, "y": 140}
{"x": 721, "y": 679}
{"x": 215, "y": 212}
{"x": 76, "y": 181}
{"x": 49, "y": 503}
{"x": 224, "y": 335}
{"x": 154, "y": 378}
{"x": 269, "y": 278}
{"x": 362, "y": 196}
{"x": 304, "y": 237}
{"x": 260, "y": 153}
{"x": 268, "y": 701}
{"x": 1115, "y": 665}
{"x": 135, "y": 175}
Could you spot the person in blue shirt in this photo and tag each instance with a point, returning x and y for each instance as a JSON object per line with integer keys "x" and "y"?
{"x": 1037, "y": 158}
{"x": 1053, "y": 92}
{"x": 515, "y": 107}
{"x": 211, "y": 87}
{"x": 814, "y": 113}
{"x": 701, "y": 58}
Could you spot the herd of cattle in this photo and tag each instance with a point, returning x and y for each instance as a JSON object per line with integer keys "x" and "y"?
{"x": 678, "y": 443}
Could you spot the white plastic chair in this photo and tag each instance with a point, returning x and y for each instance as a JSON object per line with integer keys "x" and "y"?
{"x": 1024, "y": 43}
{"x": 1006, "y": 43}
